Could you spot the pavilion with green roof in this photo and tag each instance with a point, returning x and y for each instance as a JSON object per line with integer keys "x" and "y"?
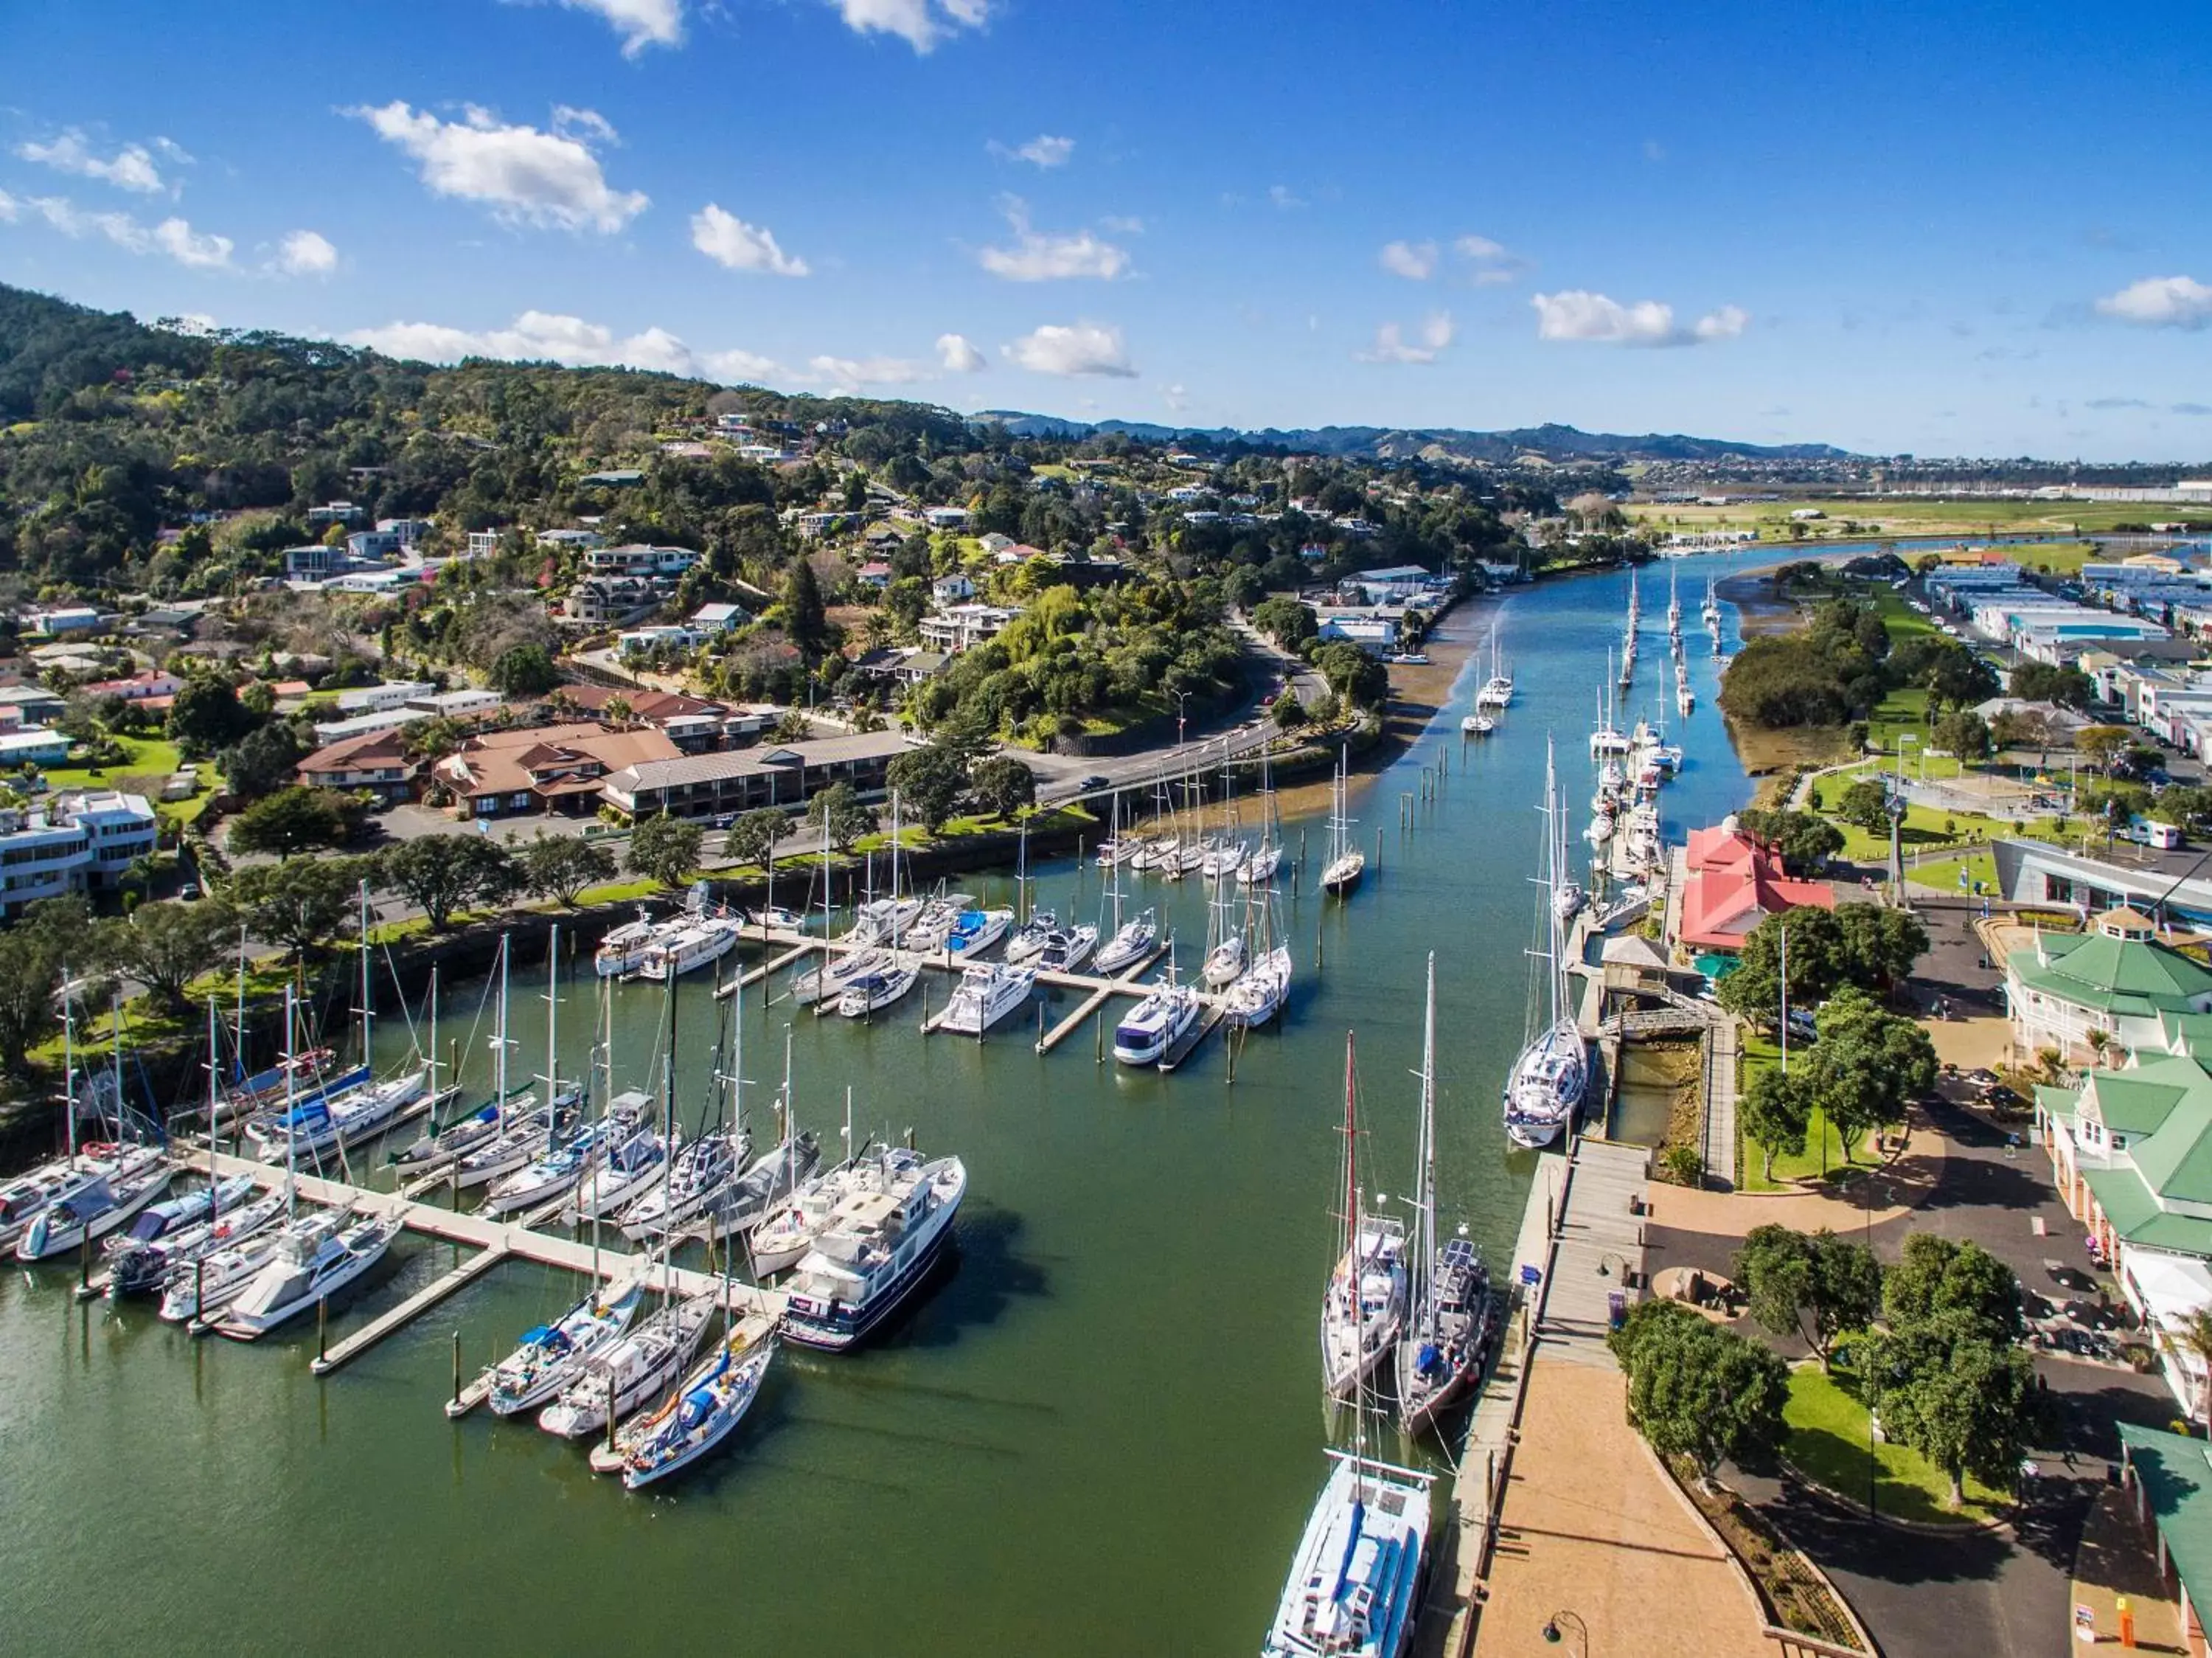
{"x": 2146, "y": 997}
{"x": 2170, "y": 1478}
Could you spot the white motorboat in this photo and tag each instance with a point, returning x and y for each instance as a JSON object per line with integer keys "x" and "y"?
{"x": 1028, "y": 940}
{"x": 98, "y": 1205}
{"x": 294, "y": 1281}
{"x": 1354, "y": 1589}
{"x": 1568, "y": 899}
{"x": 935, "y": 926}
{"x": 31, "y": 1194}
{"x": 776, "y": 916}
{"x": 1155, "y": 1025}
{"x": 1259, "y": 995}
{"x": 873, "y": 993}
{"x": 173, "y": 1217}
{"x": 1363, "y": 1306}
{"x": 1067, "y": 949}
{"x": 987, "y": 993}
{"x": 977, "y": 932}
{"x": 712, "y": 1401}
{"x": 649, "y": 1357}
{"x": 1477, "y": 725}
{"x": 142, "y": 1269}
{"x": 826, "y": 982}
{"x": 1131, "y": 942}
{"x": 552, "y": 1355}
{"x": 689, "y": 948}
{"x": 622, "y": 951}
{"x": 220, "y": 1278}
{"x": 877, "y": 1250}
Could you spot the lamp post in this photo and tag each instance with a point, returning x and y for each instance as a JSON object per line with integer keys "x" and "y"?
{"x": 1553, "y": 1634}
{"x": 1181, "y": 698}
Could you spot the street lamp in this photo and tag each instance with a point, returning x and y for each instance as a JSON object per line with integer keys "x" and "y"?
{"x": 1552, "y": 1634}
{"x": 1181, "y": 698}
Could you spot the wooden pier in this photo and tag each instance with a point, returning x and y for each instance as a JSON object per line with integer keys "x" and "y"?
{"x": 493, "y": 1242}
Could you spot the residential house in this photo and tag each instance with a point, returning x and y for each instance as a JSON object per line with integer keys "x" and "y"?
{"x": 1731, "y": 882}
{"x": 335, "y": 512}
{"x": 469, "y": 701}
{"x": 151, "y": 685}
{"x": 33, "y": 745}
{"x": 377, "y": 761}
{"x": 570, "y": 540}
{"x": 693, "y": 724}
{"x": 382, "y": 719}
{"x": 635, "y": 558}
{"x": 638, "y": 640}
{"x": 550, "y": 768}
{"x": 961, "y": 627}
{"x": 780, "y": 774}
{"x": 78, "y": 842}
{"x": 874, "y": 574}
{"x": 904, "y": 666}
{"x": 720, "y": 618}
{"x": 480, "y": 544}
{"x": 614, "y": 477}
{"x": 952, "y": 589}
{"x": 945, "y": 518}
{"x": 2113, "y": 991}
{"x": 371, "y": 699}
{"x": 63, "y": 619}
{"x": 408, "y": 531}
{"x": 602, "y": 601}
{"x": 1377, "y": 635}
{"x": 374, "y": 546}
{"x": 28, "y": 704}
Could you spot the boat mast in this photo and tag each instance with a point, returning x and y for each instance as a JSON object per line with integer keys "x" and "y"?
{"x": 237, "y": 1061}
{"x": 432, "y": 1066}
{"x": 498, "y": 1041}
{"x": 69, "y": 1065}
{"x": 1424, "y": 1211}
{"x": 215, "y": 1086}
{"x": 291, "y": 1128}
{"x": 1351, "y": 1221}
{"x": 552, "y": 1029}
{"x": 367, "y": 998}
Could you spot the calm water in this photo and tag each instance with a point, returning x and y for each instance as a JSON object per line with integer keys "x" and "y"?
{"x": 1101, "y": 1433}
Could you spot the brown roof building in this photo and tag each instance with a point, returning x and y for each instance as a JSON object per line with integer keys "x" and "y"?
{"x": 546, "y": 768}
{"x": 377, "y": 761}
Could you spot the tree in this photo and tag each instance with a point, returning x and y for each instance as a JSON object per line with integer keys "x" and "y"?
{"x": 1966, "y": 1402}
{"x": 1937, "y": 1277}
{"x": 1352, "y": 673}
{"x": 2195, "y": 1338}
{"x": 1865, "y": 805}
{"x": 34, "y": 955}
{"x": 301, "y": 904}
{"x": 1284, "y": 620}
{"x": 665, "y": 849}
{"x": 265, "y": 760}
{"x": 2101, "y": 745}
{"x": 1290, "y": 713}
{"x": 440, "y": 874}
{"x": 207, "y": 715}
{"x": 2041, "y": 682}
{"x": 1002, "y": 785}
{"x": 559, "y": 867}
{"x": 1964, "y": 734}
{"x": 2020, "y": 727}
{"x": 927, "y": 782}
{"x": 1877, "y": 945}
{"x": 290, "y": 821}
{"x": 1776, "y": 1112}
{"x": 1813, "y": 1287}
{"x": 1868, "y": 1065}
{"x": 1753, "y": 991}
{"x": 523, "y": 670}
{"x": 805, "y": 620}
{"x": 1697, "y": 1391}
{"x": 752, "y": 839}
{"x": 839, "y": 806}
{"x": 166, "y": 946}
{"x": 1802, "y": 841}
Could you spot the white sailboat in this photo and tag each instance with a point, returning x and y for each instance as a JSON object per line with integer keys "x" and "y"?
{"x": 99, "y": 1197}
{"x": 1126, "y": 942}
{"x": 1496, "y": 691}
{"x": 1363, "y": 1306}
{"x": 1347, "y": 862}
{"x": 622, "y": 1376}
{"x": 710, "y": 1403}
{"x": 1267, "y": 858}
{"x": 1545, "y": 1086}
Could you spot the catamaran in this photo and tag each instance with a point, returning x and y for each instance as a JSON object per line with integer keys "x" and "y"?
{"x": 877, "y": 1250}
{"x": 1363, "y": 1306}
{"x": 1449, "y": 1295}
{"x": 987, "y": 993}
{"x": 1347, "y": 862}
{"x": 1545, "y": 1086}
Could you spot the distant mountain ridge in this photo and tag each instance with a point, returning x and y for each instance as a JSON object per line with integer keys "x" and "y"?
{"x": 1554, "y": 442}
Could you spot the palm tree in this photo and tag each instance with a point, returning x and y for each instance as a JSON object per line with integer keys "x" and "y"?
{"x": 2195, "y": 1338}
{"x": 2099, "y": 1039}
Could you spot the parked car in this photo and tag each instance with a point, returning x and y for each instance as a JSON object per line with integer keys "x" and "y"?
{"x": 1095, "y": 780}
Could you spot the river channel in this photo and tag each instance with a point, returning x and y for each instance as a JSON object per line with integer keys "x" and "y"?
{"x": 1102, "y": 1432}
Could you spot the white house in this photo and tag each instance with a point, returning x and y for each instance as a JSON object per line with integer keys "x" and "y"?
{"x": 945, "y": 518}
{"x": 719, "y": 618}
{"x": 952, "y": 589}
{"x": 78, "y": 843}
{"x": 958, "y": 627}
{"x": 375, "y": 699}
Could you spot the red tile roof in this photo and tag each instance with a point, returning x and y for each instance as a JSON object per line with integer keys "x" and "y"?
{"x": 1735, "y": 883}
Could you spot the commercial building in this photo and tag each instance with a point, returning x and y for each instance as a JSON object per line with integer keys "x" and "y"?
{"x": 78, "y": 843}
{"x": 2113, "y": 992}
{"x": 1731, "y": 883}
{"x": 2168, "y": 891}
{"x": 2170, "y": 1478}
{"x": 780, "y": 774}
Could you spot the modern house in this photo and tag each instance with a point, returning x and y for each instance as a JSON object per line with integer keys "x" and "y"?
{"x": 635, "y": 558}
{"x": 371, "y": 699}
{"x": 599, "y": 600}
{"x": 773, "y": 774}
{"x": 1730, "y": 883}
{"x": 78, "y": 843}
{"x": 2112, "y": 992}
{"x": 719, "y": 618}
{"x": 551, "y": 768}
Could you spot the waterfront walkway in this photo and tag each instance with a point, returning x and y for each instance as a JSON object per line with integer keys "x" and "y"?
{"x": 1598, "y": 1248}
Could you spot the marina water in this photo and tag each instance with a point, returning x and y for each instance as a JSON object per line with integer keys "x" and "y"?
{"x": 1100, "y": 1433}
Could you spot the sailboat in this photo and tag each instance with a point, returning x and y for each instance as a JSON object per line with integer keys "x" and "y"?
{"x": 551, "y": 1356}
{"x": 1259, "y": 994}
{"x": 1685, "y": 699}
{"x": 1347, "y": 862}
{"x": 785, "y": 1236}
{"x": 171, "y": 1234}
{"x": 752, "y": 1197}
{"x": 1498, "y": 689}
{"x": 622, "y": 1375}
{"x": 1545, "y": 1086}
{"x": 1225, "y": 953}
{"x": 100, "y": 1196}
{"x": 570, "y": 1148}
{"x": 523, "y": 1133}
{"x": 1226, "y": 859}
{"x": 1128, "y": 942}
{"x": 1365, "y": 1305}
{"x": 698, "y": 1175}
{"x": 1267, "y": 856}
{"x": 1447, "y": 1301}
{"x": 441, "y": 1144}
{"x": 710, "y": 1403}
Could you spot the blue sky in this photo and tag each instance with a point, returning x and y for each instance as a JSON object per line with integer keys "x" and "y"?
{"x": 1970, "y": 233}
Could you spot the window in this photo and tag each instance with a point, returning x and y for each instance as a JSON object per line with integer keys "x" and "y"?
{"x": 487, "y": 805}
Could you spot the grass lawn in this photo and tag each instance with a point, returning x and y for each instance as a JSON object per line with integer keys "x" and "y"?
{"x": 1821, "y": 1138}
{"x": 152, "y": 761}
{"x": 618, "y": 892}
{"x": 1827, "y": 1442}
{"x": 1901, "y": 517}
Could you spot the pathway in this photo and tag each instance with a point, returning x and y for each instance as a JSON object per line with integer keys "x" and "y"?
{"x": 1600, "y": 1249}
{"x": 2116, "y": 1558}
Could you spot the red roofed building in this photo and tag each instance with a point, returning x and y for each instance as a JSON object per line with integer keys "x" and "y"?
{"x": 1734, "y": 884}
{"x": 377, "y": 761}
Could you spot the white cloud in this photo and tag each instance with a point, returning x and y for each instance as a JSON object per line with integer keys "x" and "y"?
{"x": 306, "y": 254}
{"x": 1175, "y": 399}
{"x": 1494, "y": 264}
{"x": 131, "y": 167}
{"x": 585, "y": 126}
{"x": 1415, "y": 261}
{"x": 1122, "y": 224}
{"x": 730, "y": 241}
{"x": 1083, "y": 348}
{"x": 1391, "y": 345}
{"x": 1282, "y": 196}
{"x": 174, "y": 237}
{"x": 1576, "y": 314}
{"x": 641, "y": 23}
{"x": 2161, "y": 302}
{"x": 7, "y": 208}
{"x": 1043, "y": 256}
{"x": 922, "y": 24}
{"x": 869, "y": 371}
{"x": 527, "y": 176}
{"x": 540, "y": 336}
{"x": 1044, "y": 150}
{"x": 958, "y": 354}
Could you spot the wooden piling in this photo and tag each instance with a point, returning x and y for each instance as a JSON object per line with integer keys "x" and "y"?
{"x": 457, "y": 1367}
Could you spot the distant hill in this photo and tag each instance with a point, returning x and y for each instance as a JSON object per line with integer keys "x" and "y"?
{"x": 1553, "y": 443}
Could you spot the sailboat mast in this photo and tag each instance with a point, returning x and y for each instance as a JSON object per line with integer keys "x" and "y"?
{"x": 499, "y": 1041}
{"x": 552, "y": 1024}
{"x": 432, "y": 1066}
{"x": 367, "y": 1009}
{"x": 215, "y": 1085}
{"x": 69, "y": 1065}
{"x": 291, "y": 1128}
{"x": 1424, "y": 1214}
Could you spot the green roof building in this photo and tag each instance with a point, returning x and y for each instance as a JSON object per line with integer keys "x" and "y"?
{"x": 2146, "y": 997}
{"x": 2170, "y": 1478}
